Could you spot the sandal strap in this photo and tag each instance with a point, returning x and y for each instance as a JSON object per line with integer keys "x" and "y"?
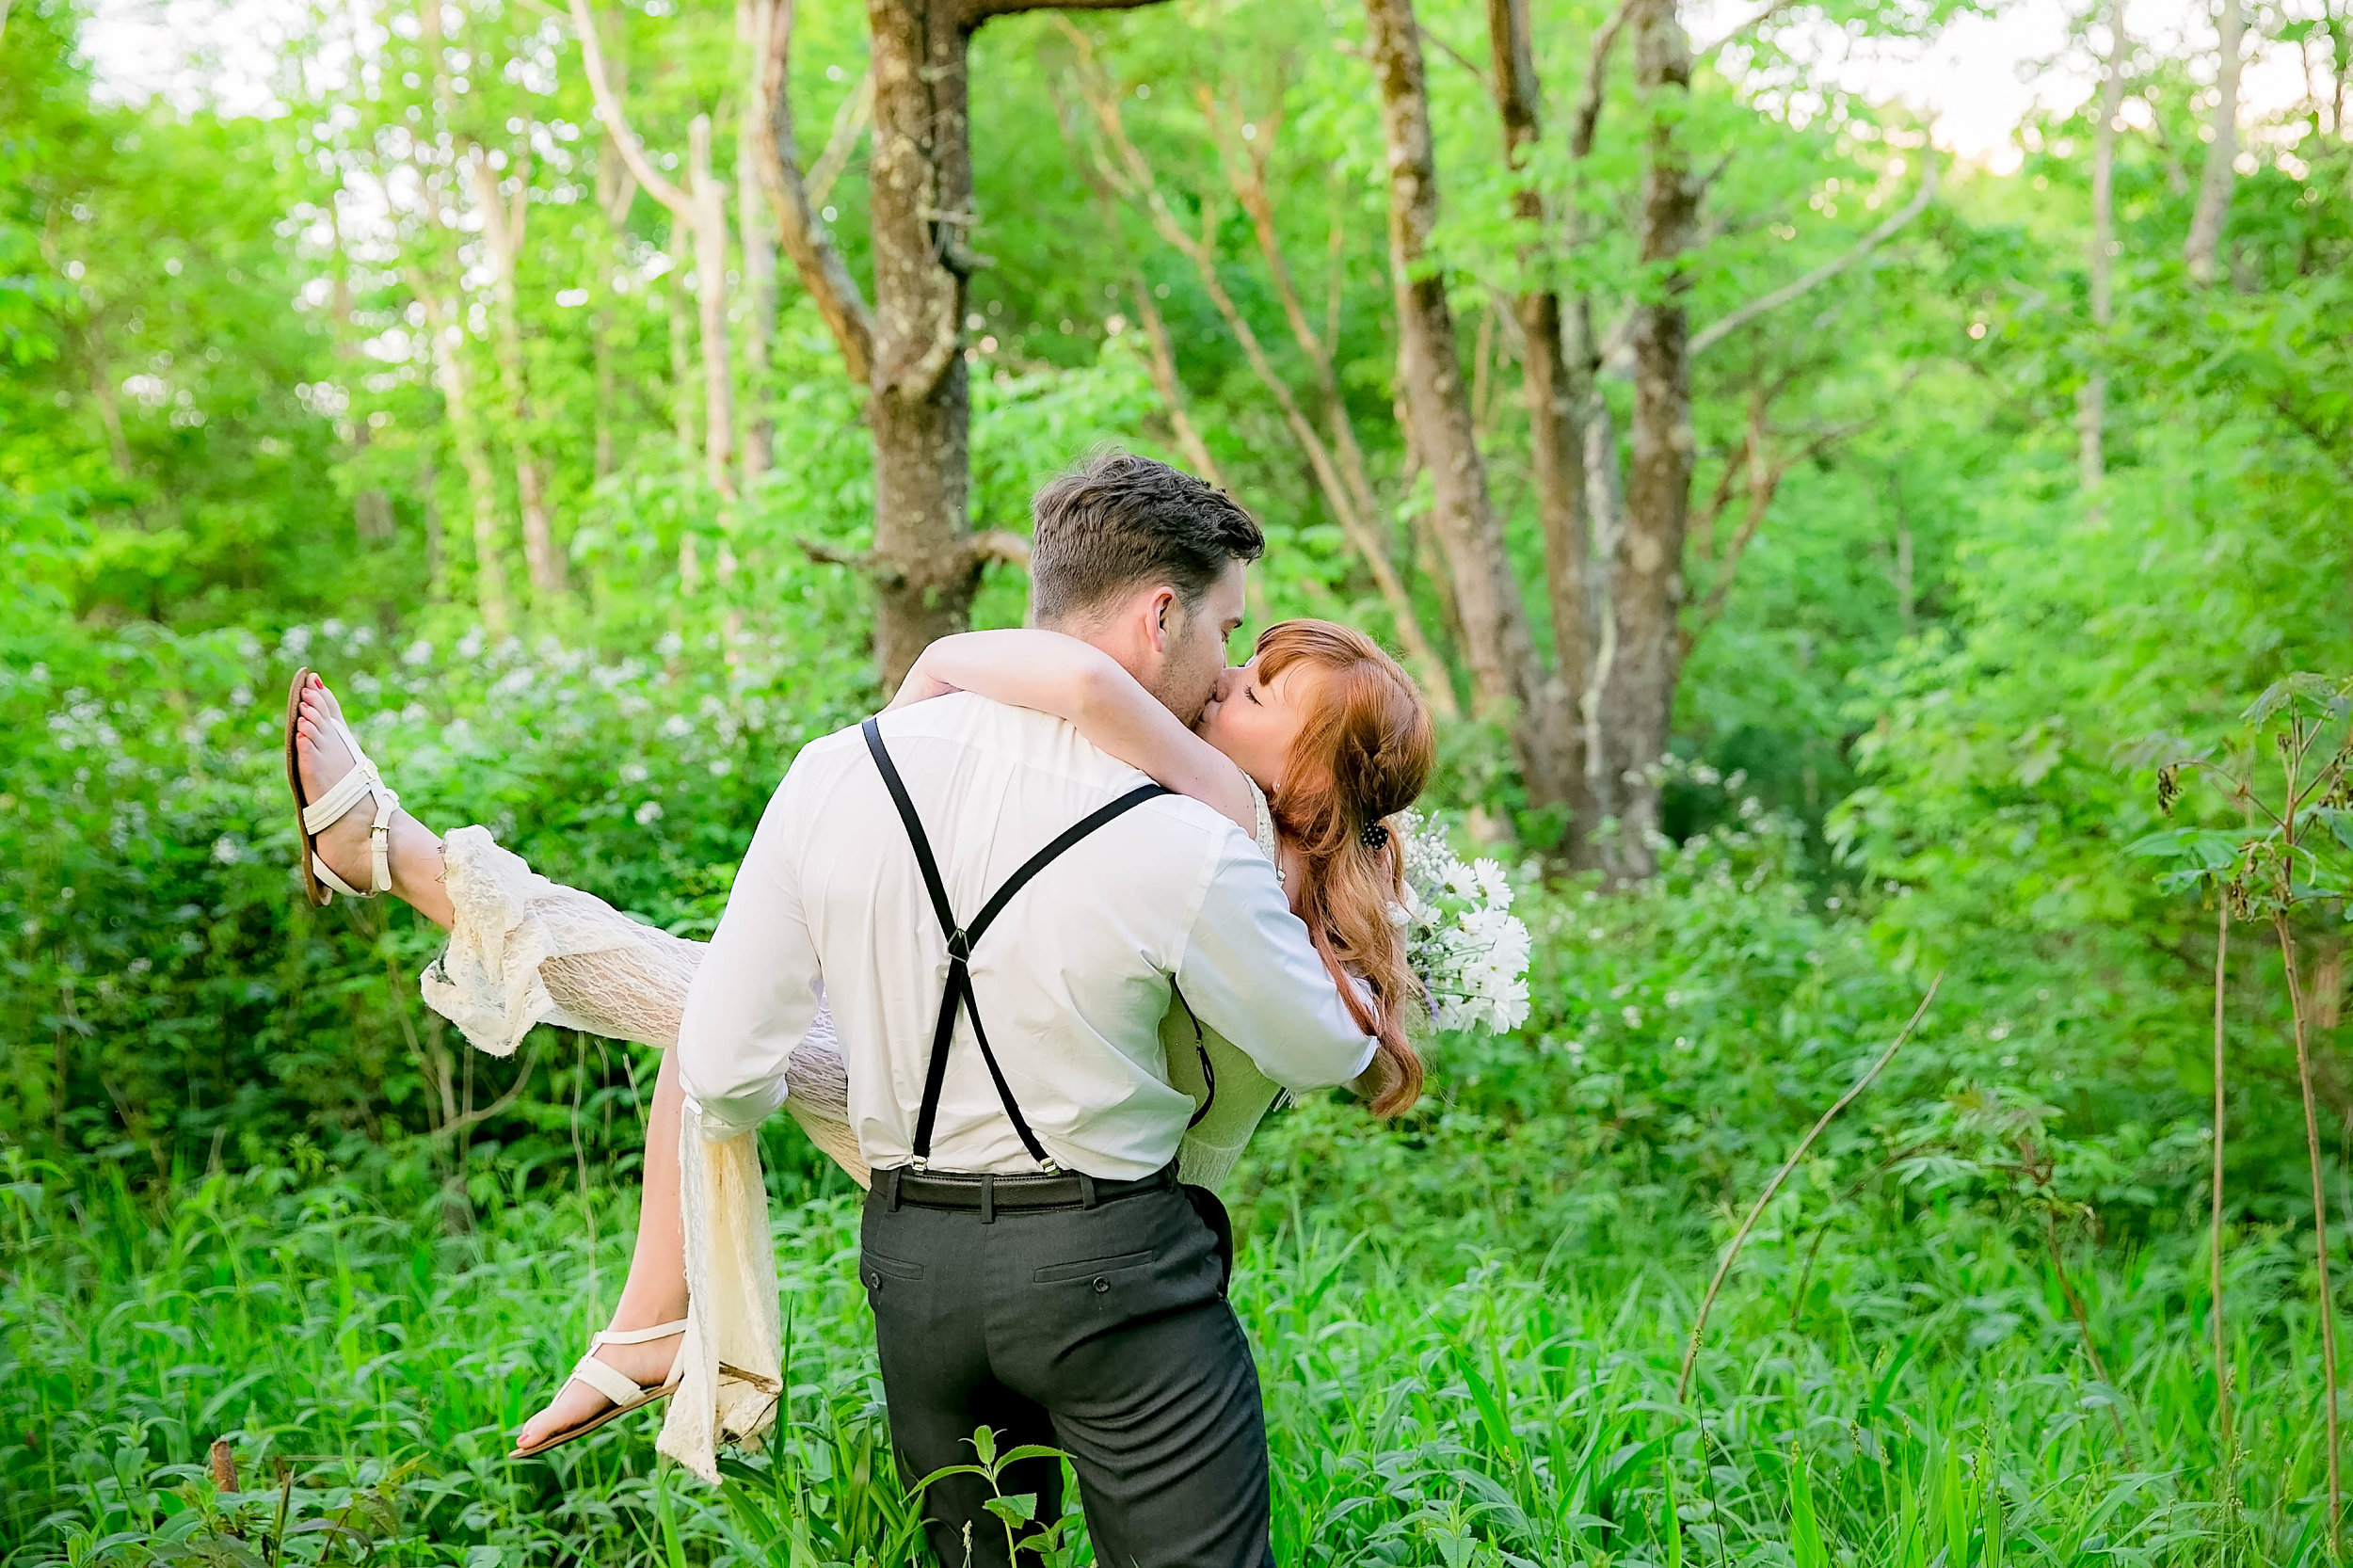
{"x": 341, "y": 798}
{"x": 636, "y": 1336}
{"x": 613, "y": 1384}
{"x": 327, "y": 875}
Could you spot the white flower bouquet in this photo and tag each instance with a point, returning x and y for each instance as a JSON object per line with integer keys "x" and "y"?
{"x": 1461, "y": 940}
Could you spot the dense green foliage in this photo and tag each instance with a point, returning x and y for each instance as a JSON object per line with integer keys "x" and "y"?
{"x": 254, "y": 1190}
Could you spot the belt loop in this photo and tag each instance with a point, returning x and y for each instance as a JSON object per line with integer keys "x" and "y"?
{"x": 894, "y": 1174}
{"x": 988, "y": 1200}
{"x": 1086, "y": 1191}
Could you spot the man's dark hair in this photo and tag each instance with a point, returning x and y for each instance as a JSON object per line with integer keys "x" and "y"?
{"x": 1118, "y": 521}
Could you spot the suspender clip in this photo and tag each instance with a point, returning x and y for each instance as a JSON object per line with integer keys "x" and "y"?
{"x": 960, "y": 945}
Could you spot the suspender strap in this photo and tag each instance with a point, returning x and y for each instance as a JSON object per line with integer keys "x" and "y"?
{"x": 958, "y": 992}
{"x": 1201, "y": 1049}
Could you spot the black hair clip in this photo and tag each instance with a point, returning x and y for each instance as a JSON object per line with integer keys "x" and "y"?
{"x": 1375, "y": 835}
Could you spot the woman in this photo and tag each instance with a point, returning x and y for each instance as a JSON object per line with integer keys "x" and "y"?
{"x": 1310, "y": 748}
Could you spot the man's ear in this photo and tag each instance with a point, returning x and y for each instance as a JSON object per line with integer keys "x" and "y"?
{"x": 1156, "y": 610}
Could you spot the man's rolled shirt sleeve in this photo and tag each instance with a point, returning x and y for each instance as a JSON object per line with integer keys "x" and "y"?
{"x": 757, "y": 990}
{"x": 1251, "y": 972}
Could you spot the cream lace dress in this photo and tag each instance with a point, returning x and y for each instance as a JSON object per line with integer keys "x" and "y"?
{"x": 525, "y": 951}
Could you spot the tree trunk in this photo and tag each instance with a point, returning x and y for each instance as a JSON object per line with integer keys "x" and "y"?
{"x": 925, "y": 568}
{"x": 614, "y": 189}
{"x": 683, "y": 424}
{"x": 371, "y": 508}
{"x": 502, "y": 231}
{"x": 2215, "y": 184}
{"x": 473, "y": 456}
{"x": 436, "y": 551}
{"x": 709, "y": 226}
{"x": 759, "y": 240}
{"x": 445, "y": 316}
{"x": 1506, "y": 680}
{"x": 1555, "y": 395}
{"x": 2091, "y": 401}
{"x": 1638, "y": 699}
{"x": 759, "y": 317}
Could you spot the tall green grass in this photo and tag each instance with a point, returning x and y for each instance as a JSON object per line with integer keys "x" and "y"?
{"x": 1473, "y": 1370}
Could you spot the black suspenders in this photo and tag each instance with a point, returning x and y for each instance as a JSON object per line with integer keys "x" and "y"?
{"x": 962, "y": 937}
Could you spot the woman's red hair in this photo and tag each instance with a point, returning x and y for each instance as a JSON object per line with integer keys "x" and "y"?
{"x": 1363, "y": 755}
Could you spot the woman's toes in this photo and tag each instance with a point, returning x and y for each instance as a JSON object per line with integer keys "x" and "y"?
{"x": 649, "y": 1365}
{"x": 574, "y": 1402}
{"x": 322, "y": 758}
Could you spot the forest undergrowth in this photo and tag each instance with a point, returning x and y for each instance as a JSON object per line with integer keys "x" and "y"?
{"x": 1474, "y": 1368}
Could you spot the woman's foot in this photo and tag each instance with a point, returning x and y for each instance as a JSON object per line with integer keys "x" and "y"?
{"x": 649, "y": 1365}
{"x": 323, "y": 756}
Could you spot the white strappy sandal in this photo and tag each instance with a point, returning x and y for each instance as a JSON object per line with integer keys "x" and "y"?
{"x": 316, "y": 817}
{"x": 615, "y": 1385}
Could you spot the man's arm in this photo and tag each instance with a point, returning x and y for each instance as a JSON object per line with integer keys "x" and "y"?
{"x": 754, "y": 997}
{"x": 1250, "y": 972}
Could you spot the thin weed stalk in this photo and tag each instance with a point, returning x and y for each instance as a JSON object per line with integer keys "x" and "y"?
{"x": 2320, "y": 1235}
{"x": 2225, "y": 1433}
{"x": 1740, "y": 1237}
{"x": 2083, "y": 1326}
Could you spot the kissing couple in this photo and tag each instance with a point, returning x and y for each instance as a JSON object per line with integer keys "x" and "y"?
{"x": 1029, "y": 953}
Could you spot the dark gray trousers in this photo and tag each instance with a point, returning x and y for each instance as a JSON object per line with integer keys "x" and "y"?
{"x": 1102, "y": 1332}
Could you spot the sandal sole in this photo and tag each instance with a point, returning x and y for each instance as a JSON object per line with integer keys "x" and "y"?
{"x": 570, "y": 1434}
{"x": 317, "y": 891}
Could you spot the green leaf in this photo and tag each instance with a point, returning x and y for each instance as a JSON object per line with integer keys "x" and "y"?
{"x": 1805, "y": 1531}
{"x": 2316, "y": 690}
{"x": 1018, "y": 1509}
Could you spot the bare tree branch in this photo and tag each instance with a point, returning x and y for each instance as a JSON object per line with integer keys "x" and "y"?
{"x": 1246, "y": 177}
{"x": 1765, "y": 475}
{"x": 1160, "y": 354}
{"x": 1588, "y": 116}
{"x": 1770, "y": 10}
{"x": 1478, "y": 72}
{"x": 999, "y": 545}
{"x": 978, "y": 11}
{"x": 816, "y": 260}
{"x": 1132, "y": 176}
{"x": 860, "y": 561}
{"x": 849, "y": 123}
{"x": 1715, "y": 332}
{"x": 609, "y": 110}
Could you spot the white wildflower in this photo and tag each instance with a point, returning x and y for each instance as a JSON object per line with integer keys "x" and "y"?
{"x": 649, "y": 813}
{"x": 1470, "y": 954}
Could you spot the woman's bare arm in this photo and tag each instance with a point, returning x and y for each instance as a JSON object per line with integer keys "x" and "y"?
{"x": 1076, "y": 681}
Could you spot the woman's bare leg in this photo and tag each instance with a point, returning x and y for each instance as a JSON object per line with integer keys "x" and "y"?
{"x": 655, "y": 1290}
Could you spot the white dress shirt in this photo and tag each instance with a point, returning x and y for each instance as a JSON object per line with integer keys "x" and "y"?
{"x": 1072, "y": 979}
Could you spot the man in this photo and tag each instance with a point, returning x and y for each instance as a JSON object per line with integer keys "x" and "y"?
{"x": 1031, "y": 1262}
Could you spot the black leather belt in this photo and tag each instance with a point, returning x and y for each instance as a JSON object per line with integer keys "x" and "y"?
{"x": 989, "y": 1193}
